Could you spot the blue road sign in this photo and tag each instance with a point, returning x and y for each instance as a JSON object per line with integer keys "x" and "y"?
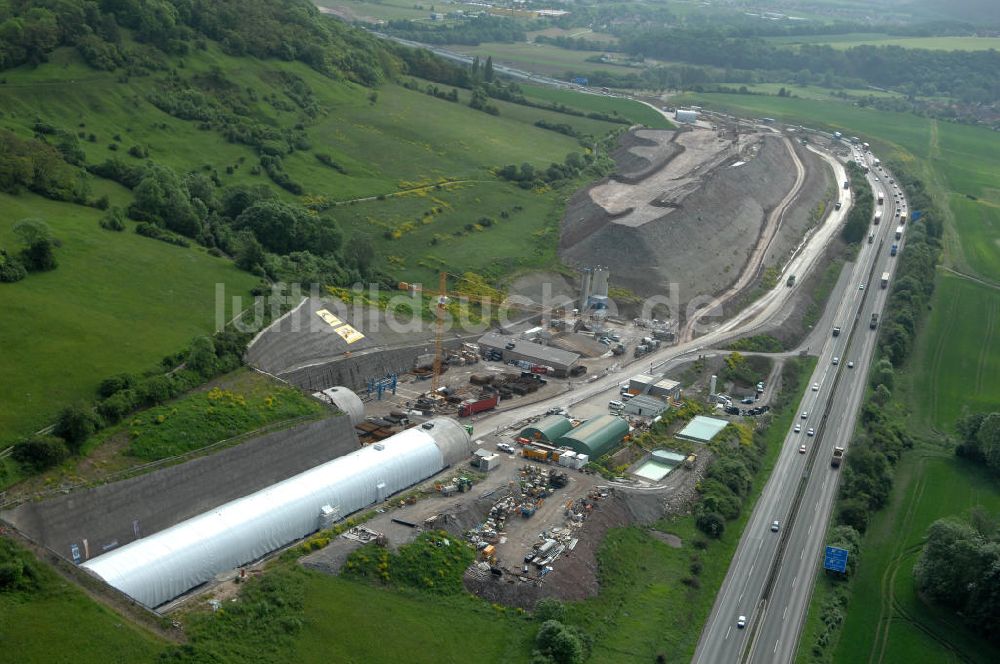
{"x": 835, "y": 559}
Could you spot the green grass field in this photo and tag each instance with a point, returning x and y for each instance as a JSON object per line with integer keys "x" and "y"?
{"x": 540, "y": 58}
{"x": 352, "y": 622}
{"x": 575, "y": 33}
{"x": 814, "y": 92}
{"x": 634, "y": 111}
{"x": 57, "y": 622}
{"x": 880, "y": 39}
{"x": 887, "y": 621}
{"x": 104, "y": 310}
{"x": 956, "y": 362}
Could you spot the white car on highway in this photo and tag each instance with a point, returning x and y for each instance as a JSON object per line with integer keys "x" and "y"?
{"x": 815, "y": 387}
{"x": 810, "y": 432}
{"x": 798, "y": 428}
{"x": 805, "y": 414}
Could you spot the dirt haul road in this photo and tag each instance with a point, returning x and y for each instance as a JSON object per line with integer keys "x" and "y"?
{"x": 746, "y": 322}
{"x": 756, "y": 261}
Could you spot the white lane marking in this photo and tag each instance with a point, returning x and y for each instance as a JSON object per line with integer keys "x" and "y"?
{"x": 794, "y": 579}
{"x": 728, "y": 631}
{"x": 784, "y": 613}
{"x": 776, "y": 645}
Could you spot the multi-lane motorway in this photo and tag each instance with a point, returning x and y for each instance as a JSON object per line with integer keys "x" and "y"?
{"x": 771, "y": 576}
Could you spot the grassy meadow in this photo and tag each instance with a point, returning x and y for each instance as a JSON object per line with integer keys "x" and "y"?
{"x": 107, "y": 307}
{"x": 104, "y": 310}
{"x": 51, "y": 620}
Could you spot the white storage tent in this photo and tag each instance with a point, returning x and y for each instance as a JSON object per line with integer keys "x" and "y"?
{"x": 158, "y": 568}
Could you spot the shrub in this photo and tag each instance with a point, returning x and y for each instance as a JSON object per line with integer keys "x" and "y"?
{"x": 74, "y": 425}
{"x": 712, "y": 524}
{"x": 118, "y": 405}
{"x": 40, "y": 452}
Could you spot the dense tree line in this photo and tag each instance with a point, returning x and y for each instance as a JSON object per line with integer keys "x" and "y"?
{"x": 729, "y": 479}
{"x": 38, "y": 166}
{"x": 471, "y": 32}
{"x": 286, "y": 29}
{"x": 959, "y": 568}
{"x": 979, "y": 439}
{"x": 966, "y": 75}
{"x": 860, "y": 216}
{"x": 867, "y": 475}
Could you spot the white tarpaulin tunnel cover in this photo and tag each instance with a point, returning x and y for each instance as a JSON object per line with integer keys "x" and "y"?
{"x": 158, "y": 568}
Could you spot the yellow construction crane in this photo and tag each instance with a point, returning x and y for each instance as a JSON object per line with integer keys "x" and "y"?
{"x": 442, "y": 299}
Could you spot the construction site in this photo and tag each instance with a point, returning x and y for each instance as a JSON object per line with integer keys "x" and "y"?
{"x": 441, "y": 426}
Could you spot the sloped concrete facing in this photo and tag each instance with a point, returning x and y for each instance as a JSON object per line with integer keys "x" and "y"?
{"x": 307, "y": 352}
{"x": 98, "y": 520}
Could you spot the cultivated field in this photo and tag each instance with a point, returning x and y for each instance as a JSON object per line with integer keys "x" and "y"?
{"x": 956, "y": 362}
{"x": 541, "y": 58}
{"x": 878, "y": 39}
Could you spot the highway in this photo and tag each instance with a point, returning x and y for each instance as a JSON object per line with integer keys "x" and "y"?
{"x": 770, "y": 579}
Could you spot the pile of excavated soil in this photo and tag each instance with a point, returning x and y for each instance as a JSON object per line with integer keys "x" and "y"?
{"x": 693, "y": 223}
{"x": 643, "y": 152}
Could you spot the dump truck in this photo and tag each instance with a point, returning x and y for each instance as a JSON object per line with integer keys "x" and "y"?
{"x": 873, "y": 323}
{"x": 468, "y": 408}
{"x": 838, "y": 456}
{"x": 885, "y": 280}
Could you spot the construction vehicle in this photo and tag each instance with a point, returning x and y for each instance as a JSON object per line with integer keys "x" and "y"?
{"x": 838, "y": 456}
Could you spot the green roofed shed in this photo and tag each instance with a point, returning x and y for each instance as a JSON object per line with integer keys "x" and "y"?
{"x": 597, "y": 436}
{"x": 548, "y": 429}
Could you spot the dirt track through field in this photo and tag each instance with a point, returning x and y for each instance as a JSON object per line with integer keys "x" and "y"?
{"x": 756, "y": 261}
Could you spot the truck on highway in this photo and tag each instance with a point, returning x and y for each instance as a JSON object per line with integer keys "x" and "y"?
{"x": 838, "y": 456}
{"x": 894, "y": 249}
{"x": 468, "y": 408}
{"x": 878, "y": 217}
{"x": 873, "y": 323}
{"x": 877, "y": 162}
{"x": 791, "y": 280}
{"x": 885, "y": 280}
{"x": 871, "y": 238}
{"x": 899, "y": 232}
{"x": 881, "y": 198}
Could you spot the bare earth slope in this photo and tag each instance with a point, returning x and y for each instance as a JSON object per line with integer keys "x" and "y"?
{"x": 687, "y": 208}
